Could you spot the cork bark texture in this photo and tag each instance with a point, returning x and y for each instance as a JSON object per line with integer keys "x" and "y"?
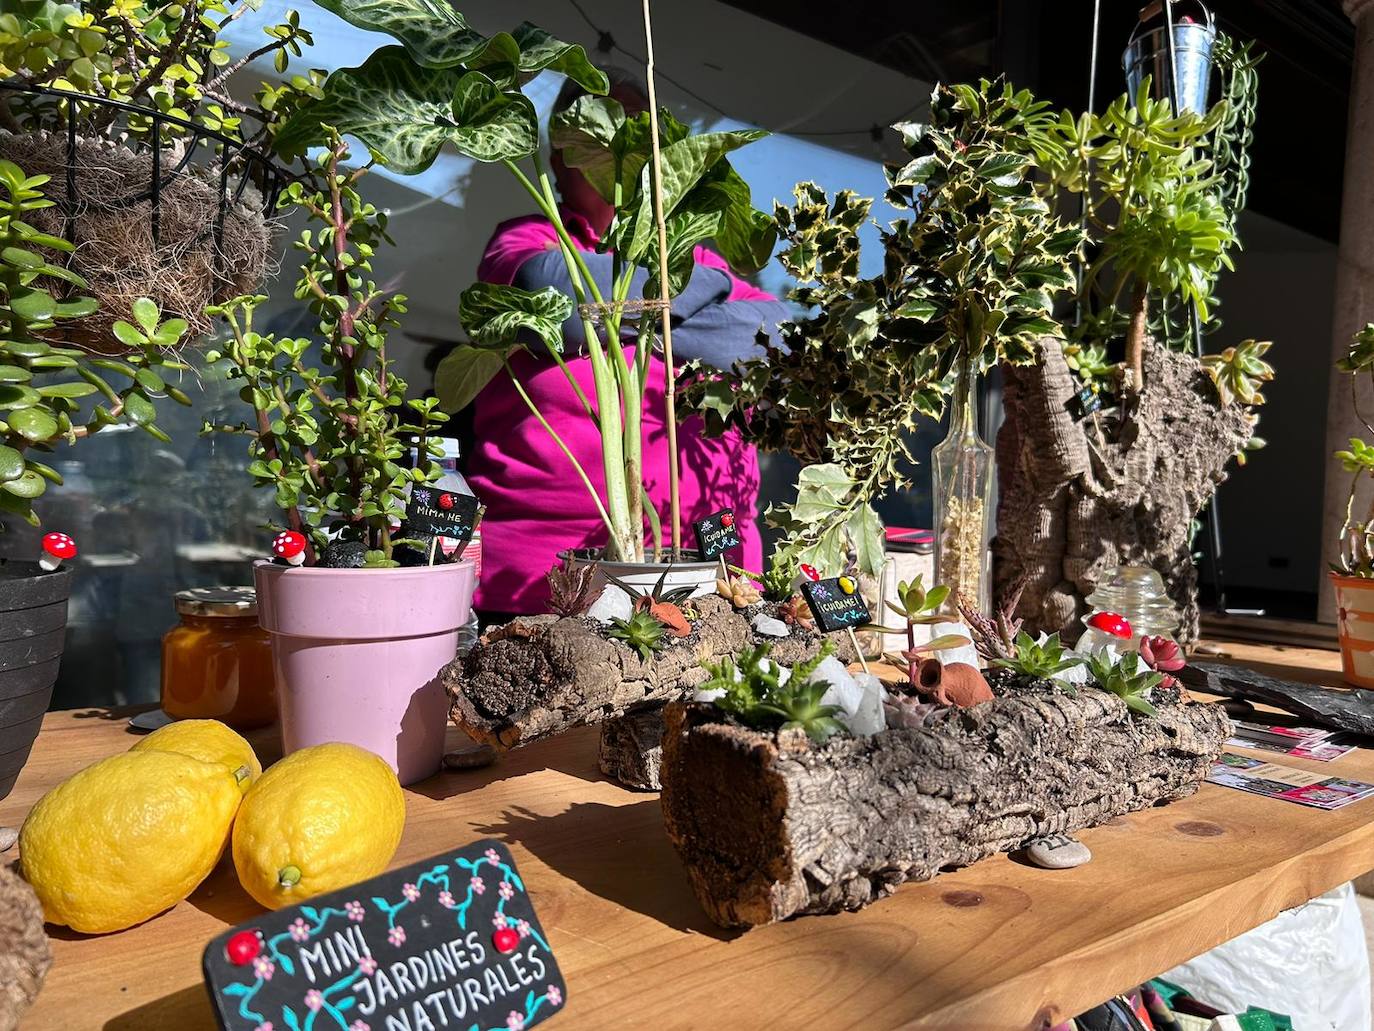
{"x": 538, "y": 676}
{"x": 770, "y": 826}
{"x": 1072, "y": 506}
{"x": 24, "y": 953}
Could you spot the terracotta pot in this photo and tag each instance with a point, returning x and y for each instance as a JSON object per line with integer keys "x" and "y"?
{"x": 33, "y": 625}
{"x": 1355, "y": 604}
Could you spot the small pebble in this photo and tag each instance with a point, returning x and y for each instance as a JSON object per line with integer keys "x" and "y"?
{"x": 470, "y": 758}
{"x": 1057, "y": 852}
{"x": 770, "y": 627}
{"x": 8, "y": 836}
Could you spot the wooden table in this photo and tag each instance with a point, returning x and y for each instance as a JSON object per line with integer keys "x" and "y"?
{"x": 996, "y": 945}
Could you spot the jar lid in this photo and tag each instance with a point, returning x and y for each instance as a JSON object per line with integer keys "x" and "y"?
{"x": 217, "y": 601}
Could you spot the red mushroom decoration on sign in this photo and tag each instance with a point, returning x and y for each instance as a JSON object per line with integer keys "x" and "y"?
{"x": 289, "y": 546}
{"x": 810, "y": 573}
{"x": 56, "y": 548}
{"x": 1111, "y": 623}
{"x": 242, "y": 948}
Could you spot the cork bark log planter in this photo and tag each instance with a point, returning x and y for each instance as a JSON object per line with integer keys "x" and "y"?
{"x": 540, "y": 675}
{"x": 771, "y": 826}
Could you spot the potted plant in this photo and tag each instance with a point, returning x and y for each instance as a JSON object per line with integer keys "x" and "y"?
{"x": 969, "y": 279}
{"x": 389, "y": 103}
{"x": 159, "y": 173}
{"x": 1352, "y": 574}
{"x": 358, "y": 641}
{"x": 757, "y": 780}
{"x": 46, "y": 389}
{"x": 1083, "y": 491}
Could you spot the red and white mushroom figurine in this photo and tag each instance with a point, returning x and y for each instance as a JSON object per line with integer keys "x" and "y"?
{"x": 289, "y": 546}
{"x": 56, "y": 547}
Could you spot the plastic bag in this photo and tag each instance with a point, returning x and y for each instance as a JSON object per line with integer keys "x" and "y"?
{"x": 1310, "y": 963}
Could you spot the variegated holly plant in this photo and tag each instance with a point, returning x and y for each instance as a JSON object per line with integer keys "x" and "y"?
{"x": 448, "y": 85}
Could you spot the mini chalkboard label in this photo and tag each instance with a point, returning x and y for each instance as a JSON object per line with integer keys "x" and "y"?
{"x": 834, "y": 607}
{"x": 441, "y": 513}
{"x": 450, "y": 942}
{"x": 716, "y": 534}
{"x": 1084, "y": 403}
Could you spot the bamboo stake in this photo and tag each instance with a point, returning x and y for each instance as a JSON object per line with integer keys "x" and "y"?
{"x": 858, "y": 651}
{"x": 670, "y": 375}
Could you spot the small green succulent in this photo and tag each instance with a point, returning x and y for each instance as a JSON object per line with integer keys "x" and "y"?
{"x": 1239, "y": 371}
{"x": 1042, "y": 661}
{"x": 754, "y": 696}
{"x": 919, "y": 605}
{"x": 779, "y": 578}
{"x": 1111, "y": 674}
{"x": 641, "y": 631}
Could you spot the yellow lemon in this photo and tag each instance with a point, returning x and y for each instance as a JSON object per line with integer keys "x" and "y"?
{"x": 126, "y": 838}
{"x": 207, "y": 740}
{"x": 322, "y": 818}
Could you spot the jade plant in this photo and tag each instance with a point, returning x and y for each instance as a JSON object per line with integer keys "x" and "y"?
{"x": 1355, "y": 556}
{"x": 41, "y": 404}
{"x": 448, "y": 84}
{"x": 329, "y": 438}
{"x": 970, "y": 277}
{"x": 752, "y": 691}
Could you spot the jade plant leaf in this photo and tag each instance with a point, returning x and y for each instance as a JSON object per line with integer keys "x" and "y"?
{"x": 494, "y": 314}
{"x": 404, "y": 114}
{"x": 464, "y": 372}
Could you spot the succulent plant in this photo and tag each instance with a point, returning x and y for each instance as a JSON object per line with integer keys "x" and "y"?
{"x": 919, "y": 606}
{"x": 1038, "y": 660}
{"x": 664, "y": 604}
{"x": 995, "y": 636}
{"x": 1111, "y": 673}
{"x": 570, "y": 587}
{"x": 1239, "y": 371}
{"x": 641, "y": 631}
{"x": 754, "y": 696}
{"x": 779, "y": 581}
{"x": 738, "y": 591}
{"x": 795, "y": 612}
{"x": 1164, "y": 656}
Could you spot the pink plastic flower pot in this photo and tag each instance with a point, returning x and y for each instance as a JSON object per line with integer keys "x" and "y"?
{"x": 358, "y": 653}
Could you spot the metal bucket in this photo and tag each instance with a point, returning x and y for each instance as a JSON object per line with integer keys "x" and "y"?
{"x": 1147, "y": 53}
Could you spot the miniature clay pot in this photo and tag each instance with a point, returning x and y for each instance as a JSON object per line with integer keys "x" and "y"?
{"x": 957, "y": 683}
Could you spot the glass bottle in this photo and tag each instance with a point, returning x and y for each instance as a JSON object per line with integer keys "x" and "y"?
{"x": 962, "y": 468}
{"x": 1138, "y": 594}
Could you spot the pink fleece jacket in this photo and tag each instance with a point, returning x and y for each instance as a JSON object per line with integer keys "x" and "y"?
{"x": 536, "y": 504}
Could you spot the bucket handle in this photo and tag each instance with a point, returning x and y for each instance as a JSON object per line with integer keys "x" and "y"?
{"x": 1155, "y": 9}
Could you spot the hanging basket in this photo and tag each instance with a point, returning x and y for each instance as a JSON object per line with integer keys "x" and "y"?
{"x": 185, "y": 222}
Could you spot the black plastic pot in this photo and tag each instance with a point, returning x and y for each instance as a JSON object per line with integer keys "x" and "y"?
{"x": 33, "y": 623}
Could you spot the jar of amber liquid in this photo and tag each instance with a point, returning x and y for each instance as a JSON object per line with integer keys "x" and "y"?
{"x": 217, "y": 662}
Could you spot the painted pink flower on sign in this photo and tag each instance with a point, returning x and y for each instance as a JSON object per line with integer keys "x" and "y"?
{"x": 554, "y": 996}
{"x": 355, "y": 911}
{"x": 314, "y": 1001}
{"x": 515, "y": 1021}
{"x": 359, "y": 1025}
{"x": 397, "y": 936}
{"x": 411, "y": 892}
{"x": 300, "y": 930}
{"x": 493, "y": 857}
{"x": 266, "y": 1025}
{"x": 446, "y": 900}
{"x": 498, "y": 921}
{"x": 506, "y": 890}
{"x": 264, "y": 967}
{"x": 477, "y": 885}
{"x": 523, "y": 926}
{"x": 367, "y": 965}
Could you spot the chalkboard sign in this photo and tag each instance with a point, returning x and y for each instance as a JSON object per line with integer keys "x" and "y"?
{"x": 449, "y": 942}
{"x": 716, "y": 534}
{"x": 1084, "y": 403}
{"x": 836, "y": 603}
{"x": 441, "y": 513}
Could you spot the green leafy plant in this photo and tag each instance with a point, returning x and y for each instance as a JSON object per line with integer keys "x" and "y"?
{"x": 919, "y": 607}
{"x": 753, "y": 694}
{"x": 329, "y": 439}
{"x": 448, "y": 84}
{"x": 1356, "y": 551}
{"x": 1239, "y": 371}
{"x": 40, "y": 405}
{"x": 570, "y": 587}
{"x": 641, "y": 631}
{"x": 1130, "y": 685}
{"x": 1039, "y": 660}
{"x": 969, "y": 278}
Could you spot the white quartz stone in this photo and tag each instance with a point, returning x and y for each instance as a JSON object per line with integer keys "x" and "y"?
{"x": 1058, "y": 852}
{"x": 860, "y": 699}
{"x": 613, "y": 604}
{"x": 770, "y": 627}
{"x": 966, "y": 654}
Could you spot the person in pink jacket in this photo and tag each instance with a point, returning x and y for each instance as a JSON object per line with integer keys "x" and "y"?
{"x": 536, "y": 505}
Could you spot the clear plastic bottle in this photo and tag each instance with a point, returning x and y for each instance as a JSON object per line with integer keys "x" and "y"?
{"x": 452, "y": 480}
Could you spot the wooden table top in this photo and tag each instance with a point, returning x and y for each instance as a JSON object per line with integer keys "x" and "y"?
{"x": 996, "y": 945}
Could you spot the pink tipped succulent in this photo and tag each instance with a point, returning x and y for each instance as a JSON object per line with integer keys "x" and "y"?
{"x": 1161, "y": 654}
